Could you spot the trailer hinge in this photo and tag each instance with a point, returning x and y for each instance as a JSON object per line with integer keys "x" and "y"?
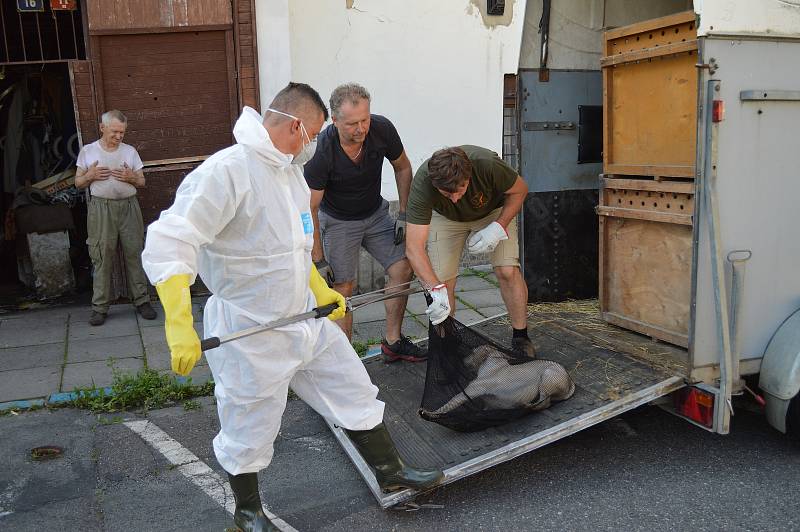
{"x": 712, "y": 66}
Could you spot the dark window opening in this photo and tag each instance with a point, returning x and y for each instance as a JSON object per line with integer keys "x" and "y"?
{"x": 495, "y": 7}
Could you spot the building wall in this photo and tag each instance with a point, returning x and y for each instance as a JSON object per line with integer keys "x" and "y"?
{"x": 434, "y": 68}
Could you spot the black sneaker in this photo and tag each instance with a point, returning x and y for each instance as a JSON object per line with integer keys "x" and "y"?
{"x": 522, "y": 349}
{"x": 403, "y": 349}
{"x": 147, "y": 311}
{"x": 97, "y": 318}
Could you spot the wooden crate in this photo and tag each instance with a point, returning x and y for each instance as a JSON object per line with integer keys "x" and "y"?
{"x": 650, "y": 98}
{"x": 646, "y": 256}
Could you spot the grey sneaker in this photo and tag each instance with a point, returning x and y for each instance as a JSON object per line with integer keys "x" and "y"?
{"x": 523, "y": 349}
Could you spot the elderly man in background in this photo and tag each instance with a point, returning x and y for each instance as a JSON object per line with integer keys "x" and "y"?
{"x": 349, "y": 213}
{"x": 113, "y": 171}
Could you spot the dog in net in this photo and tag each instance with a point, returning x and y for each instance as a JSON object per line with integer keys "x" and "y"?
{"x": 473, "y": 383}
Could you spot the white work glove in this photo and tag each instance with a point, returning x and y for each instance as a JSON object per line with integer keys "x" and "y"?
{"x": 485, "y": 240}
{"x": 439, "y": 309}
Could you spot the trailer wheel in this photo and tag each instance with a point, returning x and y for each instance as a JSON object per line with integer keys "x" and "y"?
{"x": 793, "y": 418}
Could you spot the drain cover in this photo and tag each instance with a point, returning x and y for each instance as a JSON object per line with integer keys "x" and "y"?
{"x": 46, "y": 452}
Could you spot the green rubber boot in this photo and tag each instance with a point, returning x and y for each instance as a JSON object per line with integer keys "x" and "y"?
{"x": 249, "y": 515}
{"x": 378, "y": 450}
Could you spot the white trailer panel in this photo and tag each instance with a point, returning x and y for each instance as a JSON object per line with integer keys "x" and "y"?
{"x": 772, "y": 18}
{"x": 757, "y": 190}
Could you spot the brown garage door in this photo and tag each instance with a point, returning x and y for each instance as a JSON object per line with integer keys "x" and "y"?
{"x": 177, "y": 89}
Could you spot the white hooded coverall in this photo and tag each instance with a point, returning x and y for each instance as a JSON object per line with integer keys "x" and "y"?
{"x": 242, "y": 221}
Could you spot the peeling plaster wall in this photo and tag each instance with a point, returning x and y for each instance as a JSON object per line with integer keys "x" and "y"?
{"x": 576, "y": 28}
{"x": 479, "y": 6}
{"x": 435, "y": 68}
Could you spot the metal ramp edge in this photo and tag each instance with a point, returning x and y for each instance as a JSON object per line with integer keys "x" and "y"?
{"x": 513, "y": 449}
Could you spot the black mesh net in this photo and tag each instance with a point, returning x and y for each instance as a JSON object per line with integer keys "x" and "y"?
{"x": 472, "y": 383}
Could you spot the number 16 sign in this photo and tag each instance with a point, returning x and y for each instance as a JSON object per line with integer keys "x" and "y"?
{"x": 30, "y": 5}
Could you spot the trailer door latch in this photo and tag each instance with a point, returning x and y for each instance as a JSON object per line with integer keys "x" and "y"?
{"x": 712, "y": 66}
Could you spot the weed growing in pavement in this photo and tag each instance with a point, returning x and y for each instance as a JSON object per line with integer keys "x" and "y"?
{"x": 113, "y": 420}
{"x": 191, "y": 404}
{"x": 146, "y": 390}
{"x": 486, "y": 276}
{"x": 16, "y": 410}
{"x": 149, "y": 389}
{"x": 467, "y": 304}
{"x": 361, "y": 347}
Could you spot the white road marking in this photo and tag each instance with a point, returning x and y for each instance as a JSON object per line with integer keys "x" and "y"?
{"x": 10, "y": 494}
{"x": 195, "y": 469}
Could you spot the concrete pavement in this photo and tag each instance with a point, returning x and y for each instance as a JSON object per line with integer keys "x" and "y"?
{"x": 50, "y": 352}
{"x": 645, "y": 470}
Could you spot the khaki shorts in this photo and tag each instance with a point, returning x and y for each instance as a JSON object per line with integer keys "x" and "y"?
{"x": 446, "y": 240}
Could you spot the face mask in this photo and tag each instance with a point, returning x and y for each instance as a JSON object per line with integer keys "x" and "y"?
{"x": 308, "y": 150}
{"x": 306, "y": 153}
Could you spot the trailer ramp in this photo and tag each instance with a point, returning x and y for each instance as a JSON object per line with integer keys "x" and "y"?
{"x": 614, "y": 371}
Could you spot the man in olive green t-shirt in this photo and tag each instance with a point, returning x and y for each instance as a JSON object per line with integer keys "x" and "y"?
{"x": 467, "y": 194}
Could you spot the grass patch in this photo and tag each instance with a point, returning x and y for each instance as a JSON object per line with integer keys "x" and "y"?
{"x": 144, "y": 390}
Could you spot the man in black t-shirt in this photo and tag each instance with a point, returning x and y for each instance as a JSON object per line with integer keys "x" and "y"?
{"x": 349, "y": 213}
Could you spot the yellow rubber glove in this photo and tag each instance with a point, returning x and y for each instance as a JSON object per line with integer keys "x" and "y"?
{"x": 326, "y": 295}
{"x": 184, "y": 345}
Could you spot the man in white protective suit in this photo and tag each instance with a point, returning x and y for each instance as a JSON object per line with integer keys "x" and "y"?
{"x": 242, "y": 221}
